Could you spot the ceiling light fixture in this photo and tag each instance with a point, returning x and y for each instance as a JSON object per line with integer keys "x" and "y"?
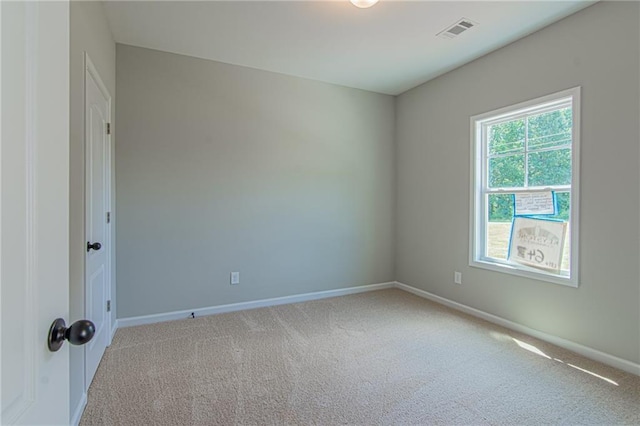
{"x": 363, "y": 4}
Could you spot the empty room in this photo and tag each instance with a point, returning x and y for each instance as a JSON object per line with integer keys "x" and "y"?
{"x": 365, "y": 212}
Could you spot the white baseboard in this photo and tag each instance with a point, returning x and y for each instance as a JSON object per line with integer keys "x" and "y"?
{"x": 114, "y": 328}
{"x": 77, "y": 414}
{"x": 232, "y": 307}
{"x": 585, "y": 351}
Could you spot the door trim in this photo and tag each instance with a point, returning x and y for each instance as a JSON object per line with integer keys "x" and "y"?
{"x": 91, "y": 70}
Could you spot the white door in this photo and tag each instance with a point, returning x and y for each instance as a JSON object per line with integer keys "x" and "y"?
{"x": 98, "y": 177}
{"x": 34, "y": 209}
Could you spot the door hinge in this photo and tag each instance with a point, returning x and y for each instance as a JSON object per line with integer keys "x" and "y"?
{"x": 108, "y": 217}
{"x": 108, "y": 305}
{"x": 108, "y": 128}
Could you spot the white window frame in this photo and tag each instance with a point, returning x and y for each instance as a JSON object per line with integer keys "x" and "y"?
{"x": 479, "y": 165}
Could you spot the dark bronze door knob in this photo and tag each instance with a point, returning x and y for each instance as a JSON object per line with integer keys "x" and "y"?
{"x": 94, "y": 246}
{"x": 79, "y": 333}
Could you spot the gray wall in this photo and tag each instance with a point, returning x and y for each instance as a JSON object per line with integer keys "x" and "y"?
{"x": 598, "y": 49}
{"x": 223, "y": 168}
{"x": 89, "y": 32}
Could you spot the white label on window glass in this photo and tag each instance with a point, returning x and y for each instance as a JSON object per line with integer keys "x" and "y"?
{"x": 534, "y": 203}
{"x": 536, "y": 242}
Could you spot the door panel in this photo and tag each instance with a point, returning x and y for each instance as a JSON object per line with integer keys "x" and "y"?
{"x": 97, "y": 281}
{"x": 34, "y": 215}
{"x": 97, "y": 294}
{"x": 17, "y": 364}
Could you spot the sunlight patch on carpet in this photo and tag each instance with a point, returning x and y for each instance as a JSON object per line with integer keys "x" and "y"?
{"x": 530, "y": 348}
{"x": 593, "y": 374}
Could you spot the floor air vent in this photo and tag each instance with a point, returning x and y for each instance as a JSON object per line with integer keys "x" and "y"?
{"x": 456, "y": 29}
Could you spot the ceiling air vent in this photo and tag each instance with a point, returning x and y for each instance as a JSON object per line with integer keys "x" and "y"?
{"x": 456, "y": 29}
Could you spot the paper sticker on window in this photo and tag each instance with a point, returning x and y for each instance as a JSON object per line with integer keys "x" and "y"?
{"x": 535, "y": 203}
{"x": 537, "y": 242}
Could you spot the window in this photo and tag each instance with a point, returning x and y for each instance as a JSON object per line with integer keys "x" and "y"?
{"x": 524, "y": 216}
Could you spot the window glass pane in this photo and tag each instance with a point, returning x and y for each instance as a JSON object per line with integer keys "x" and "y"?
{"x": 566, "y": 253}
{"x": 563, "y": 200}
{"x": 550, "y": 167}
{"x": 506, "y": 171}
{"x": 564, "y": 206}
{"x": 550, "y": 129}
{"x": 506, "y": 137}
{"x": 564, "y": 213}
{"x": 500, "y": 208}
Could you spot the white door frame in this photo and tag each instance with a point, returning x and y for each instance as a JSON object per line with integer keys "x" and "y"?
{"x": 90, "y": 69}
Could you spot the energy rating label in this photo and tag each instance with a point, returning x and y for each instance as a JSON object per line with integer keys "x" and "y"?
{"x": 530, "y": 203}
{"x": 537, "y": 242}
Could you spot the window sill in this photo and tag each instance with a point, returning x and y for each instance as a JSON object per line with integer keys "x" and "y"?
{"x": 523, "y": 271}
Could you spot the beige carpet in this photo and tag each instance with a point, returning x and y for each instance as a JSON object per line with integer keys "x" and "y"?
{"x": 379, "y": 358}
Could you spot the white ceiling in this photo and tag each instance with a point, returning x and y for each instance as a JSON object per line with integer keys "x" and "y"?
{"x": 388, "y": 48}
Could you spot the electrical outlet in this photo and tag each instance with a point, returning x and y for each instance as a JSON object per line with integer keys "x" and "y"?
{"x": 457, "y": 277}
{"x": 235, "y": 278}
